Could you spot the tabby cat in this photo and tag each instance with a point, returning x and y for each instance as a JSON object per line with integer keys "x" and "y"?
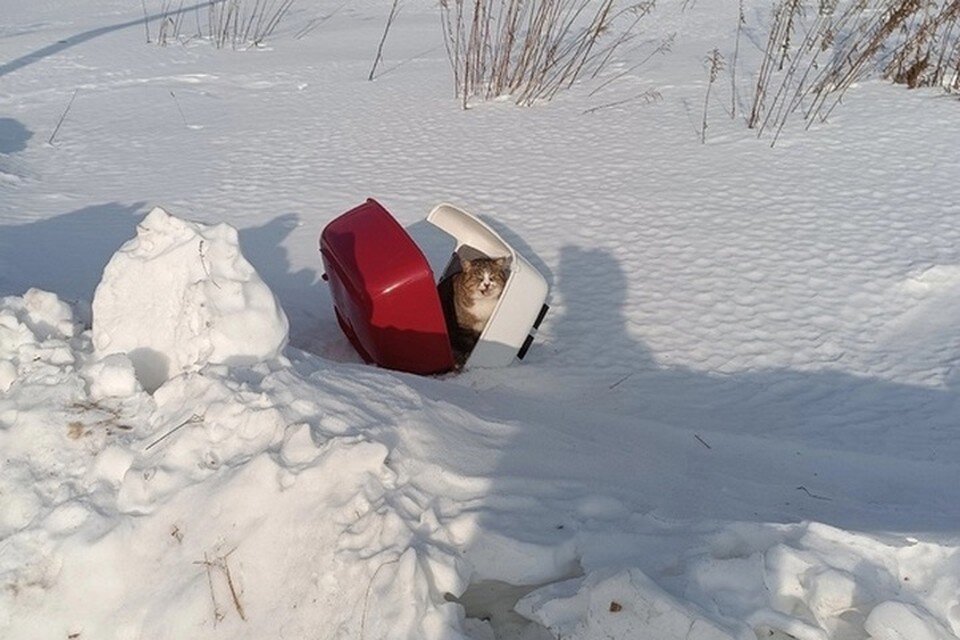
{"x": 476, "y": 290}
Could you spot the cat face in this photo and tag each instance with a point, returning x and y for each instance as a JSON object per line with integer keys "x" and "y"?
{"x": 485, "y": 277}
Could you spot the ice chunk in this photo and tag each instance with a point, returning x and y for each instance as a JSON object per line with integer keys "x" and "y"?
{"x": 36, "y": 317}
{"x": 181, "y": 295}
{"x": 111, "y": 376}
{"x": 47, "y": 315}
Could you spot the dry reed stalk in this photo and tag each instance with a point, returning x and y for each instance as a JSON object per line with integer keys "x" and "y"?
{"x": 647, "y": 97}
{"x": 529, "y": 49}
{"x": 664, "y": 47}
{"x": 806, "y": 57}
{"x": 63, "y": 116}
{"x": 715, "y": 65}
{"x": 764, "y": 74}
{"x": 386, "y": 30}
{"x": 741, "y": 20}
{"x": 793, "y": 11}
{"x": 857, "y": 59}
{"x": 913, "y": 42}
{"x": 777, "y": 41}
{"x": 238, "y": 23}
{"x": 922, "y": 59}
{"x": 639, "y": 11}
{"x": 146, "y": 20}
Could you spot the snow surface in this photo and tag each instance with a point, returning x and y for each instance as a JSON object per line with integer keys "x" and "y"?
{"x": 738, "y": 420}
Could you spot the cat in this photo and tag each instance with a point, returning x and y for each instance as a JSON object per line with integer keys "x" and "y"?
{"x": 476, "y": 290}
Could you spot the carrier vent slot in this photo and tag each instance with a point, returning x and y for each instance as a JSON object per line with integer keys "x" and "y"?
{"x": 540, "y": 316}
{"x": 525, "y": 347}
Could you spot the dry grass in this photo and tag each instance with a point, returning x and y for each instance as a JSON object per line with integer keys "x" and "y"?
{"x": 532, "y": 49}
{"x": 238, "y": 24}
{"x": 929, "y": 55}
{"x": 221, "y": 565}
{"x": 815, "y": 54}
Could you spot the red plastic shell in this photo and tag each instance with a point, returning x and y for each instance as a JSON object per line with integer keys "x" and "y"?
{"x": 384, "y": 292}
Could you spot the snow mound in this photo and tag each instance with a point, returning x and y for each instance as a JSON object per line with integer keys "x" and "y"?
{"x": 217, "y": 507}
{"x": 616, "y": 604}
{"x": 179, "y": 296}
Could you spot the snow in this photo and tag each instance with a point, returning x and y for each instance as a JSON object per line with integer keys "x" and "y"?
{"x": 180, "y": 296}
{"x": 738, "y": 419}
{"x": 891, "y": 620}
{"x": 591, "y": 608}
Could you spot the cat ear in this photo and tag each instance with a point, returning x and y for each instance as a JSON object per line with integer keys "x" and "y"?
{"x": 503, "y": 263}
{"x": 465, "y": 264}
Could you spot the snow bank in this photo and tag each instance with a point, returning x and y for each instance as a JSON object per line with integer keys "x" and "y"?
{"x": 806, "y": 581}
{"x": 616, "y": 604}
{"x": 220, "y": 506}
{"x": 181, "y": 295}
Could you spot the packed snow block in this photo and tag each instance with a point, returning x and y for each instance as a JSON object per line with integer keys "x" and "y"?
{"x": 111, "y": 377}
{"x": 394, "y": 311}
{"x": 181, "y": 295}
{"x": 616, "y": 604}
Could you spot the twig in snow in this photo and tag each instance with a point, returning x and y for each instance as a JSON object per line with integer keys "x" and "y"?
{"x": 812, "y": 495}
{"x": 647, "y": 97}
{"x": 218, "y": 615}
{"x": 624, "y": 378}
{"x": 63, "y": 116}
{"x": 702, "y": 441}
{"x": 316, "y": 22}
{"x": 366, "y": 598}
{"x": 192, "y": 420}
{"x": 224, "y": 567}
{"x": 233, "y": 592}
{"x": 204, "y": 265}
{"x": 177, "y": 102}
{"x": 663, "y": 48}
{"x": 383, "y": 39}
